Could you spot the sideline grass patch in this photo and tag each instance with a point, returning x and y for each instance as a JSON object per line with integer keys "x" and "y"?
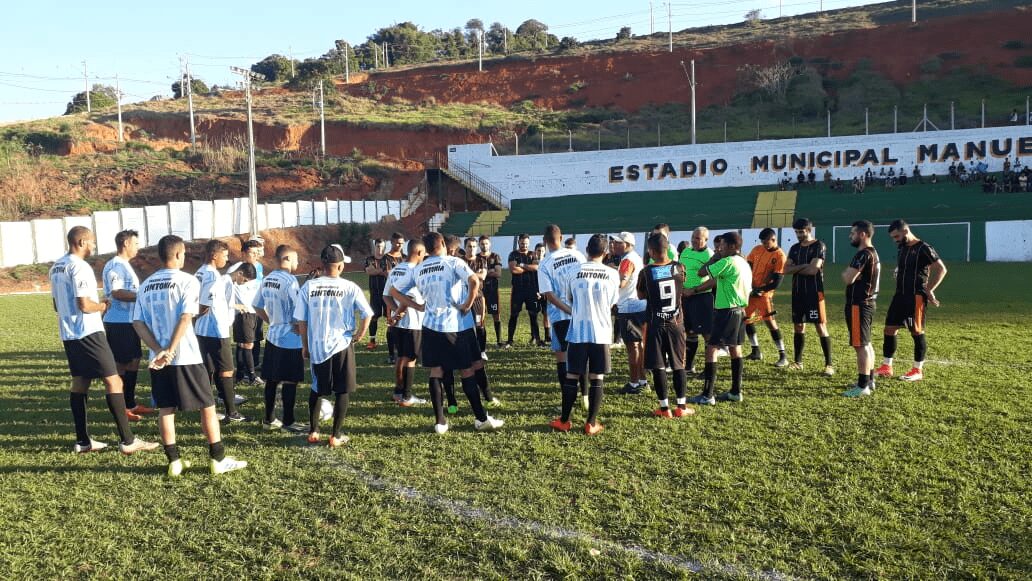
{"x": 925, "y": 480}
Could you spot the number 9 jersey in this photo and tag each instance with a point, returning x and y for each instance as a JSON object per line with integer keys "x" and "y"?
{"x": 661, "y": 287}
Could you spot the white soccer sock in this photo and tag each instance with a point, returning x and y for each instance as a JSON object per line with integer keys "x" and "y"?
{"x": 781, "y": 345}
{"x": 682, "y": 401}
{"x": 754, "y": 340}
{"x": 887, "y": 361}
{"x": 919, "y": 365}
{"x": 664, "y": 403}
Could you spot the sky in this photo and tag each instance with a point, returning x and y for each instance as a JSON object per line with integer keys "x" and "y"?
{"x": 44, "y": 43}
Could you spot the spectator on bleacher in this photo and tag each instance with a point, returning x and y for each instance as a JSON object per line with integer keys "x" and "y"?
{"x": 1017, "y": 165}
{"x": 811, "y": 178}
{"x": 962, "y": 175}
{"x": 1023, "y": 182}
{"x": 1014, "y": 115}
{"x": 1006, "y": 165}
{"x": 934, "y": 179}
{"x": 953, "y": 172}
{"x": 801, "y": 179}
{"x": 858, "y": 185}
{"x": 902, "y": 180}
{"x": 837, "y": 186}
{"x": 827, "y": 178}
{"x": 917, "y": 175}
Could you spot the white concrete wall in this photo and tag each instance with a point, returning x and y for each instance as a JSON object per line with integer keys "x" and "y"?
{"x": 1009, "y": 241}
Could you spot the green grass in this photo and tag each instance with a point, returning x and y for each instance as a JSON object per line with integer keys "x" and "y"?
{"x": 925, "y": 480}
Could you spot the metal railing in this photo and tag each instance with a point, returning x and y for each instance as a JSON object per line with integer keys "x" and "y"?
{"x": 475, "y": 183}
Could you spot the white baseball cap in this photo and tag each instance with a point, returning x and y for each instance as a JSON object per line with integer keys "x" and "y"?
{"x": 625, "y": 237}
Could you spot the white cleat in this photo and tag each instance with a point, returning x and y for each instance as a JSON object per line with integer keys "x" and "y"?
{"x": 93, "y": 446}
{"x": 227, "y": 464}
{"x": 488, "y": 425}
{"x": 440, "y": 428}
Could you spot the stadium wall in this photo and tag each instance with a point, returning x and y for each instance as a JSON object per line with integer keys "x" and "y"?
{"x": 43, "y": 240}
{"x": 714, "y": 165}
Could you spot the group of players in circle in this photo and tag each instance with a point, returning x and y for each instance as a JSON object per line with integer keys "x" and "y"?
{"x": 435, "y": 296}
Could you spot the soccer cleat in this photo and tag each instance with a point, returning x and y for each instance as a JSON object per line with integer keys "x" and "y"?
{"x": 137, "y": 445}
{"x": 914, "y": 374}
{"x": 494, "y": 403}
{"x": 829, "y": 371}
{"x": 483, "y": 355}
{"x": 176, "y": 467}
{"x": 855, "y": 391}
{"x": 680, "y": 412}
{"x": 453, "y": 409}
{"x": 142, "y": 410}
{"x": 559, "y": 425}
{"x": 795, "y": 366}
{"x": 131, "y": 416}
{"x": 644, "y": 385}
{"x": 722, "y": 352}
{"x": 411, "y": 401}
{"x": 338, "y": 441}
{"x": 782, "y": 362}
{"x": 630, "y": 389}
{"x": 756, "y": 355}
{"x": 93, "y": 446}
{"x": 593, "y": 429}
{"x": 371, "y": 345}
{"x": 227, "y": 464}
{"x": 440, "y": 428}
{"x": 488, "y": 425}
{"x": 237, "y": 398}
{"x": 507, "y": 346}
{"x": 397, "y": 397}
{"x": 221, "y": 416}
{"x": 885, "y": 370}
{"x": 236, "y": 418}
{"x": 728, "y": 396}
{"x": 702, "y": 399}
{"x": 691, "y": 371}
{"x": 296, "y": 428}
{"x": 313, "y": 437}
{"x": 273, "y": 425}
{"x": 663, "y": 413}
{"x": 391, "y": 360}
{"x": 256, "y": 381}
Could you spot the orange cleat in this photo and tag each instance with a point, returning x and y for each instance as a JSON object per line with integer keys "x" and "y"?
{"x": 914, "y": 374}
{"x": 662, "y": 413}
{"x": 681, "y": 412}
{"x": 338, "y": 441}
{"x": 313, "y": 438}
{"x": 560, "y": 425}
{"x": 883, "y": 371}
{"x": 142, "y": 410}
{"x": 370, "y": 346}
{"x": 132, "y": 417}
{"x": 593, "y": 430}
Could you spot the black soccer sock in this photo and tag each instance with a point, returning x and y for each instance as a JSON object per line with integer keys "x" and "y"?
{"x": 680, "y": 382}
{"x": 920, "y": 348}
{"x": 248, "y": 357}
{"x": 469, "y": 387}
{"x": 868, "y": 381}
{"x": 737, "y": 365}
{"x": 512, "y": 325}
{"x": 775, "y": 334}
{"x": 238, "y": 361}
{"x": 750, "y": 330}
{"x": 799, "y": 342}
{"x": 408, "y": 376}
{"x": 659, "y": 377}
{"x": 548, "y": 333}
{"x": 228, "y": 393}
{"x": 584, "y": 383}
{"x": 289, "y": 393}
{"x": 129, "y": 387}
{"x": 172, "y": 452}
{"x": 78, "y": 404}
{"x": 256, "y": 355}
{"x": 449, "y": 387}
{"x": 498, "y": 331}
{"x": 560, "y": 373}
{"x": 116, "y": 404}
{"x": 535, "y": 333}
{"x": 437, "y": 399}
{"x": 569, "y": 396}
{"x": 482, "y": 339}
{"x": 485, "y": 388}
{"x": 693, "y": 348}
{"x": 340, "y": 411}
{"x": 826, "y": 348}
{"x": 709, "y": 379}
{"x": 217, "y": 451}
{"x": 374, "y": 325}
{"x": 594, "y": 400}
{"x": 390, "y": 341}
{"x": 889, "y": 347}
{"x": 313, "y": 412}
{"x": 862, "y": 379}
{"x": 270, "y": 400}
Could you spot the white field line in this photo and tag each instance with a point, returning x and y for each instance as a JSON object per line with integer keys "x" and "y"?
{"x": 465, "y": 511}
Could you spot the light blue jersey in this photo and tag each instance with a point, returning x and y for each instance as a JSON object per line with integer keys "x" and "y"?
{"x": 443, "y": 282}
{"x": 593, "y": 290}
{"x": 70, "y": 279}
{"x": 163, "y": 299}
{"x": 553, "y": 273}
{"x": 216, "y": 294}
{"x": 119, "y": 275}
{"x": 328, "y": 306}
{"x": 278, "y": 296}
{"x": 412, "y": 319}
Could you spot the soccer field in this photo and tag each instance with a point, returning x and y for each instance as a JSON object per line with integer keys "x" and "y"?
{"x": 922, "y": 480}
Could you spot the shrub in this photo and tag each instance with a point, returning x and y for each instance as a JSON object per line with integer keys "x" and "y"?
{"x": 576, "y": 86}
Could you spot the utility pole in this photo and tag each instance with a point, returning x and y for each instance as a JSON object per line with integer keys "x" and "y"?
{"x": 670, "y": 26}
{"x": 322, "y": 121}
{"x": 505, "y": 40}
{"x": 347, "y": 66}
{"x": 290, "y": 53}
{"x": 652, "y": 21}
{"x": 867, "y": 121}
{"x": 691, "y": 83}
{"x": 480, "y": 51}
{"x": 189, "y": 101}
{"x": 895, "y": 118}
{"x": 570, "y": 133}
{"x": 252, "y": 182}
{"x": 517, "y": 136}
{"x": 829, "y": 122}
{"x": 376, "y": 56}
{"x": 386, "y": 59}
{"x": 983, "y": 113}
{"x": 913, "y": 12}
{"x": 118, "y": 99}
{"x": 86, "y": 79}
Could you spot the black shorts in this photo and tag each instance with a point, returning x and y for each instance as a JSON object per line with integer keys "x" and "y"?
{"x": 858, "y": 322}
{"x": 90, "y": 357}
{"x": 184, "y": 387}
{"x": 698, "y": 313}
{"x": 728, "y": 327}
{"x": 808, "y": 308}
{"x": 336, "y": 374}
{"x": 217, "y": 354}
{"x": 630, "y": 326}
{"x": 559, "y": 331}
{"x": 244, "y": 328}
{"x": 664, "y": 337}
{"x": 376, "y": 299}
{"x": 523, "y": 298}
{"x": 281, "y": 364}
{"x": 408, "y": 342}
{"x": 591, "y": 356}
{"x": 124, "y": 342}
{"x": 907, "y": 311}
{"x": 449, "y": 350}
{"x": 491, "y": 295}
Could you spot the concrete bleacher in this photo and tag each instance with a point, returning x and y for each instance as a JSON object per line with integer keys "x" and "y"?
{"x": 458, "y": 223}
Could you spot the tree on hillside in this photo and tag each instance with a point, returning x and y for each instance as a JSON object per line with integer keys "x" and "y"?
{"x": 496, "y": 38}
{"x": 407, "y": 43}
{"x": 197, "y": 86}
{"x": 568, "y": 43}
{"x": 772, "y": 80}
{"x": 533, "y": 34}
{"x": 275, "y": 67}
{"x": 101, "y": 97}
{"x": 451, "y": 44}
{"x": 474, "y": 28}
{"x": 753, "y": 16}
{"x": 624, "y": 33}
